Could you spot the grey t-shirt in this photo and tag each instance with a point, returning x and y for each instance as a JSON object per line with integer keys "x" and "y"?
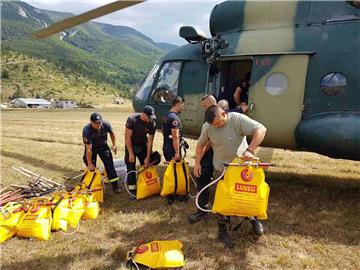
{"x": 228, "y": 141}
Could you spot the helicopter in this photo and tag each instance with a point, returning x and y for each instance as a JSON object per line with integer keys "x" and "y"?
{"x": 304, "y": 61}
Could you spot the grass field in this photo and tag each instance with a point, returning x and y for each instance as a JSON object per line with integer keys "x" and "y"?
{"x": 314, "y": 207}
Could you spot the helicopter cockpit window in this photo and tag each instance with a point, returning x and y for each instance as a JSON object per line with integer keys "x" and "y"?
{"x": 166, "y": 87}
{"x": 145, "y": 88}
{"x": 333, "y": 84}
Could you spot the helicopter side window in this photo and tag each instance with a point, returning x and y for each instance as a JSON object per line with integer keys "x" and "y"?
{"x": 333, "y": 84}
{"x": 167, "y": 83}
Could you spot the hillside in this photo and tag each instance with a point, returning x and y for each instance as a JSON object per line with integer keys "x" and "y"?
{"x": 31, "y": 77}
{"x": 116, "y": 55}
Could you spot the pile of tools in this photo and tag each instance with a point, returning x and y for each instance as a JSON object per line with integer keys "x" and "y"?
{"x": 37, "y": 186}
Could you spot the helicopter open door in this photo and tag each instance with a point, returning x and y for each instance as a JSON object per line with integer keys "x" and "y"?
{"x": 276, "y": 96}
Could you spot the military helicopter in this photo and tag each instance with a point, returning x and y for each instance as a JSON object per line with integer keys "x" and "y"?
{"x": 304, "y": 61}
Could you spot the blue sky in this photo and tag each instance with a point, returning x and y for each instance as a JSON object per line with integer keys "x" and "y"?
{"x": 158, "y": 19}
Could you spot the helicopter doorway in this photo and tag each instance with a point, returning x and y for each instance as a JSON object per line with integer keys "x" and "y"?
{"x": 234, "y": 82}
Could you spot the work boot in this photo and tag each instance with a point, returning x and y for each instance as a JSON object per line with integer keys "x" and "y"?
{"x": 115, "y": 188}
{"x": 256, "y": 226}
{"x": 197, "y": 216}
{"x": 224, "y": 235}
{"x": 132, "y": 194}
{"x": 170, "y": 199}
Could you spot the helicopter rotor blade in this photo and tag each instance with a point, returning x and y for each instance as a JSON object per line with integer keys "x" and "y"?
{"x": 84, "y": 17}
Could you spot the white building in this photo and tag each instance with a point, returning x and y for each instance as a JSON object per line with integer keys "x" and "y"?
{"x": 65, "y": 104}
{"x": 30, "y": 103}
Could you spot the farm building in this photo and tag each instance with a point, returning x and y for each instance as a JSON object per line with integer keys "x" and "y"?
{"x": 65, "y": 104}
{"x": 30, "y": 103}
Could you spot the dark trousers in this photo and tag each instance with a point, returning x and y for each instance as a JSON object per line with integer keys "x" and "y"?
{"x": 207, "y": 169}
{"x": 140, "y": 152}
{"x": 168, "y": 151}
{"x": 106, "y": 157}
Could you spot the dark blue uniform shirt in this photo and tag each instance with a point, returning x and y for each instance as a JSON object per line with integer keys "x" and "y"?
{"x": 140, "y": 128}
{"x": 170, "y": 120}
{"x": 97, "y": 138}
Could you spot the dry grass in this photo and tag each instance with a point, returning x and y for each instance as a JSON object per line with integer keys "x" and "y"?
{"x": 314, "y": 208}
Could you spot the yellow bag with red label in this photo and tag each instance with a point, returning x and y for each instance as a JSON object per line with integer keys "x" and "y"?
{"x": 37, "y": 220}
{"x": 92, "y": 181}
{"x": 158, "y": 254}
{"x": 148, "y": 183}
{"x": 176, "y": 178}
{"x": 11, "y": 215}
{"x": 243, "y": 191}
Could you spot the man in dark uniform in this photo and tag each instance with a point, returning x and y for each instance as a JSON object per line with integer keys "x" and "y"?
{"x": 207, "y": 169}
{"x": 173, "y": 138}
{"x": 95, "y": 140}
{"x": 139, "y": 137}
{"x": 172, "y": 130}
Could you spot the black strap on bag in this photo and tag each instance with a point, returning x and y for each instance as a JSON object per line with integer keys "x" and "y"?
{"x": 175, "y": 178}
{"x": 57, "y": 203}
{"x": 92, "y": 179}
{"x": 186, "y": 176}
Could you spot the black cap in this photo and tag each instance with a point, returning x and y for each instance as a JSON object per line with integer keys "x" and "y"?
{"x": 149, "y": 111}
{"x": 95, "y": 117}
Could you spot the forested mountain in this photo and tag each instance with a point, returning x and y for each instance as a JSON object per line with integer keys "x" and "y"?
{"x": 116, "y": 55}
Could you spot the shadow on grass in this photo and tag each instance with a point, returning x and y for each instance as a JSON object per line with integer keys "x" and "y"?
{"x": 45, "y": 262}
{"x": 36, "y": 162}
{"x": 37, "y": 139}
{"x": 322, "y": 207}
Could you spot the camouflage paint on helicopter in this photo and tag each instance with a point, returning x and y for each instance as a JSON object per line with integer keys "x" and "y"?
{"x": 304, "y": 75}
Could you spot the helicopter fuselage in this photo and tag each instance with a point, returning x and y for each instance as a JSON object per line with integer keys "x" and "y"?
{"x": 304, "y": 61}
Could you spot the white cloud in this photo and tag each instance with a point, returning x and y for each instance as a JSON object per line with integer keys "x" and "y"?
{"x": 158, "y": 19}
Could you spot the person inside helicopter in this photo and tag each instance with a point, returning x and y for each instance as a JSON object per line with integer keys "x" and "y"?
{"x": 241, "y": 95}
{"x": 235, "y": 91}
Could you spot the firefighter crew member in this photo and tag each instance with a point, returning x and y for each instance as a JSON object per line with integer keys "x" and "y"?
{"x": 173, "y": 139}
{"x": 226, "y": 131}
{"x": 171, "y": 130}
{"x": 139, "y": 137}
{"x": 207, "y": 170}
{"x": 95, "y": 140}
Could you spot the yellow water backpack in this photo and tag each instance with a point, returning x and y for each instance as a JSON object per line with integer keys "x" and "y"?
{"x": 158, "y": 254}
{"x": 243, "y": 191}
{"x": 92, "y": 207}
{"x": 11, "y": 215}
{"x": 69, "y": 208}
{"x": 60, "y": 211}
{"x": 148, "y": 183}
{"x": 92, "y": 181}
{"x": 176, "y": 178}
{"x": 77, "y": 209}
{"x": 37, "y": 220}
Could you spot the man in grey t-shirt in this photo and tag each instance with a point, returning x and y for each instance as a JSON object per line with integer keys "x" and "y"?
{"x": 226, "y": 132}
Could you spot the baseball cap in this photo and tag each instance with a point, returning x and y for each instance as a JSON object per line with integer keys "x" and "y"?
{"x": 95, "y": 117}
{"x": 149, "y": 111}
